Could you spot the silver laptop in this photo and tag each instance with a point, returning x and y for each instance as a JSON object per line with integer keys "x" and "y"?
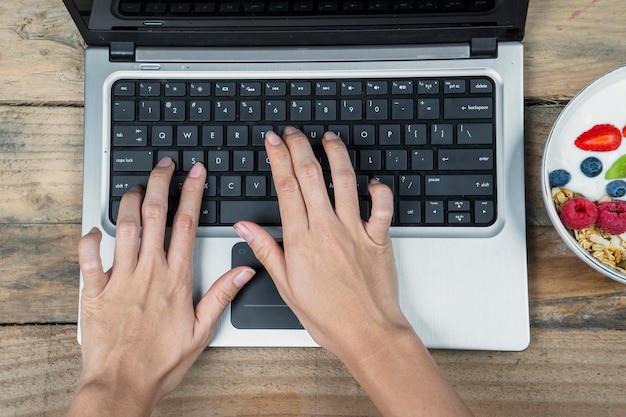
{"x": 427, "y": 94}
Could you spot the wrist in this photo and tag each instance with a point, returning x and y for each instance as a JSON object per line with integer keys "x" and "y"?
{"x": 109, "y": 397}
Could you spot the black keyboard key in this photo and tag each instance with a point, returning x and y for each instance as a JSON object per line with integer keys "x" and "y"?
{"x": 123, "y": 111}
{"x": 465, "y": 159}
{"x": 433, "y": 212}
{"x": 484, "y": 211}
{"x": 208, "y": 213}
{"x": 481, "y": 85}
{"x": 200, "y": 89}
{"x": 262, "y": 212}
{"x": 468, "y": 108}
{"x": 455, "y": 185}
{"x": 410, "y": 212}
{"x": 428, "y": 109}
{"x": 351, "y": 88}
{"x": 190, "y": 158}
{"x": 200, "y": 111}
{"x": 187, "y": 136}
{"x": 149, "y": 110}
{"x": 124, "y": 88}
{"x": 133, "y": 160}
{"x": 174, "y": 111}
{"x": 175, "y": 89}
{"x": 325, "y": 110}
{"x": 230, "y": 186}
{"x": 474, "y": 133}
{"x": 428, "y": 87}
{"x": 454, "y": 86}
{"x": 130, "y": 135}
{"x": 150, "y": 89}
{"x": 120, "y": 184}
{"x": 275, "y": 88}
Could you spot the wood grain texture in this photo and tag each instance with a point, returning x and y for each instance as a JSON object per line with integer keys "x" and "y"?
{"x": 41, "y": 164}
{"x": 564, "y": 373}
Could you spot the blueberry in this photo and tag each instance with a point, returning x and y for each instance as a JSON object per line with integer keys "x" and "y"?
{"x": 616, "y": 188}
{"x": 559, "y": 178}
{"x": 591, "y": 166}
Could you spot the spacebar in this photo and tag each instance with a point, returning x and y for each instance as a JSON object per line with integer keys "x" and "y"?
{"x": 261, "y": 212}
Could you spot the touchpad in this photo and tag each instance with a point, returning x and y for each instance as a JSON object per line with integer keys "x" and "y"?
{"x": 258, "y": 304}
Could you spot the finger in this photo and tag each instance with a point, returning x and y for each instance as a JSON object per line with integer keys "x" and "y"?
{"x": 267, "y": 251}
{"x": 128, "y": 230}
{"x": 344, "y": 179}
{"x": 94, "y": 277}
{"x": 185, "y": 224}
{"x": 154, "y": 208}
{"x": 308, "y": 172}
{"x": 212, "y": 305}
{"x": 290, "y": 202}
{"x": 378, "y": 224}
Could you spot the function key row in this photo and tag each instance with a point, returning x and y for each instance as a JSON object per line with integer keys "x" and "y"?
{"x": 301, "y": 88}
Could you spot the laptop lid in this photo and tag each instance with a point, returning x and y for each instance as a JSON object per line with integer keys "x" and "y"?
{"x": 298, "y": 22}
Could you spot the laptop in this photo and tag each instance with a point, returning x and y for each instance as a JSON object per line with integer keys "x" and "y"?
{"x": 427, "y": 95}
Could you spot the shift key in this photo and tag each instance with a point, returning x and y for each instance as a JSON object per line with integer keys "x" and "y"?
{"x": 458, "y": 185}
{"x": 133, "y": 160}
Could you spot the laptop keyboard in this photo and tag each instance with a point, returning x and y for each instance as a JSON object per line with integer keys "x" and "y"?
{"x": 431, "y": 140}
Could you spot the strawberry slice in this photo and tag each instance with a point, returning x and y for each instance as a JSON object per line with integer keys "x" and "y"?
{"x": 600, "y": 138}
{"x": 624, "y": 131}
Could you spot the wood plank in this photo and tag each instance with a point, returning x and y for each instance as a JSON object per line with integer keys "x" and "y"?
{"x": 564, "y": 50}
{"x": 39, "y": 273}
{"x": 563, "y": 373}
{"x": 41, "y": 164}
{"x": 569, "y": 43}
{"x": 46, "y": 53}
{"x": 39, "y": 280}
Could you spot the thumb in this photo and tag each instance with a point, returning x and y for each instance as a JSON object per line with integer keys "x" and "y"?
{"x": 217, "y": 298}
{"x": 94, "y": 277}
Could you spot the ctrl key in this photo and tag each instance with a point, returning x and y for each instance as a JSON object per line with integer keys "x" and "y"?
{"x": 133, "y": 161}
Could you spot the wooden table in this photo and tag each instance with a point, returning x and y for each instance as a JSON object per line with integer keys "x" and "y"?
{"x": 575, "y": 366}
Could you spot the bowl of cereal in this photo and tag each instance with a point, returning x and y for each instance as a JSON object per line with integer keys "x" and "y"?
{"x": 584, "y": 174}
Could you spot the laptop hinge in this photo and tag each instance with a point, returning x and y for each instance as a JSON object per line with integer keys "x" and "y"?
{"x": 484, "y": 47}
{"x": 122, "y": 51}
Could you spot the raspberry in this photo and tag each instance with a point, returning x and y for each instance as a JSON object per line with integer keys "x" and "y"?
{"x": 612, "y": 217}
{"x": 579, "y": 213}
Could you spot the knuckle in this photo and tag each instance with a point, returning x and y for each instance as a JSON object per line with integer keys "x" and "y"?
{"x": 154, "y": 210}
{"x": 185, "y": 222}
{"x": 309, "y": 170}
{"x": 127, "y": 228}
{"x": 223, "y": 297}
{"x": 287, "y": 185}
{"x": 344, "y": 178}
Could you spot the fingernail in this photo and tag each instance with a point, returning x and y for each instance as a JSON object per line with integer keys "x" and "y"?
{"x": 374, "y": 181}
{"x": 165, "y": 162}
{"x": 288, "y": 130}
{"x": 243, "y": 277}
{"x": 196, "y": 170}
{"x": 243, "y": 232}
{"x": 273, "y": 138}
{"x": 330, "y": 136}
{"x": 93, "y": 231}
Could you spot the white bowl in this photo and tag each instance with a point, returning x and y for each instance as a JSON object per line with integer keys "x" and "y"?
{"x": 601, "y": 102}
